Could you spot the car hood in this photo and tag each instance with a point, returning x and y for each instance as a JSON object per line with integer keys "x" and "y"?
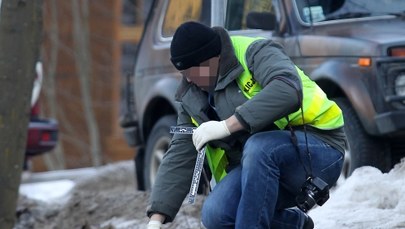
{"x": 354, "y": 37}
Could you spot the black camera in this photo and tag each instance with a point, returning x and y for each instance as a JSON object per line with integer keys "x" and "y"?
{"x": 313, "y": 191}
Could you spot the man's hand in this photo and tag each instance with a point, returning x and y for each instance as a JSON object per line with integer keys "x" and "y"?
{"x": 208, "y": 131}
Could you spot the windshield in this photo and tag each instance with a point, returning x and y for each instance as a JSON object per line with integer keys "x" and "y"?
{"x": 324, "y": 10}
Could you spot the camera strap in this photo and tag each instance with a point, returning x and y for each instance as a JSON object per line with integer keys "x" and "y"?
{"x": 294, "y": 140}
{"x": 308, "y": 171}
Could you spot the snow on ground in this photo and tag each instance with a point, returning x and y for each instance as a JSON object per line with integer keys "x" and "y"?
{"x": 47, "y": 191}
{"x": 107, "y": 199}
{"x": 368, "y": 199}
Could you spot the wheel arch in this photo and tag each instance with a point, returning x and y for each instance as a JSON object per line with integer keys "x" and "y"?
{"x": 155, "y": 101}
{"x": 156, "y": 109}
{"x": 338, "y": 79}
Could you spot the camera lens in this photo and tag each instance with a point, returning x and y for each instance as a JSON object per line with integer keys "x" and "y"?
{"x": 313, "y": 191}
{"x": 305, "y": 202}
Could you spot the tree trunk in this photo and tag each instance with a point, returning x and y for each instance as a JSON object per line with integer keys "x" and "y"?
{"x": 20, "y": 27}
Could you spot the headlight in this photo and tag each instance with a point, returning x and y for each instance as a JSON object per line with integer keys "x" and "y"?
{"x": 400, "y": 84}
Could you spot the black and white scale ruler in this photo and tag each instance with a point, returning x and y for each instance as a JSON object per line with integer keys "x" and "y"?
{"x": 199, "y": 164}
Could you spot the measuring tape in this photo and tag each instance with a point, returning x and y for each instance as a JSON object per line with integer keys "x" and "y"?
{"x": 182, "y": 130}
{"x": 199, "y": 164}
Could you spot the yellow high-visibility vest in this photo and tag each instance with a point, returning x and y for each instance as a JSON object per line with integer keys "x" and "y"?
{"x": 318, "y": 110}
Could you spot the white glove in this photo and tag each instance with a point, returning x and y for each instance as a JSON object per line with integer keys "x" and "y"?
{"x": 154, "y": 224}
{"x": 209, "y": 131}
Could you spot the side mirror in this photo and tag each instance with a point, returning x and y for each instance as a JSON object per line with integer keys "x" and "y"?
{"x": 261, "y": 20}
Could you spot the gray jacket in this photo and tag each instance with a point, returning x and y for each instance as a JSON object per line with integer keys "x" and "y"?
{"x": 266, "y": 60}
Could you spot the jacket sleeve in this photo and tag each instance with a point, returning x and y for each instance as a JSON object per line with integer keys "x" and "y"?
{"x": 173, "y": 178}
{"x": 281, "y": 86}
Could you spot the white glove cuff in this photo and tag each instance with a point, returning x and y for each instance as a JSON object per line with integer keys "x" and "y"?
{"x": 225, "y": 127}
{"x": 154, "y": 224}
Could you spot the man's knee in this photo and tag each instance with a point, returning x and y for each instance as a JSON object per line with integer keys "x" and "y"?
{"x": 209, "y": 216}
{"x": 266, "y": 146}
{"x": 253, "y": 148}
{"x": 256, "y": 150}
{"x": 213, "y": 215}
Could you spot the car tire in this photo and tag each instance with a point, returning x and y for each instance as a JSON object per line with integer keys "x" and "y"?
{"x": 157, "y": 145}
{"x": 364, "y": 150}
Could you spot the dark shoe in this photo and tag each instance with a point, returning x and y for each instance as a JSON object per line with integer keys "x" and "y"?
{"x": 308, "y": 224}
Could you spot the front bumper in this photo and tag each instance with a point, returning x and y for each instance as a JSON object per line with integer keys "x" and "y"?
{"x": 131, "y": 130}
{"x": 391, "y": 122}
{"x": 131, "y": 135}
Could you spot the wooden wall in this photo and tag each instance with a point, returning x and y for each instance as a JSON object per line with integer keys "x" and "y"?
{"x": 62, "y": 96}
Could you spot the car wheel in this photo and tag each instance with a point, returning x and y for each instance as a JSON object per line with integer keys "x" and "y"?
{"x": 157, "y": 145}
{"x": 363, "y": 149}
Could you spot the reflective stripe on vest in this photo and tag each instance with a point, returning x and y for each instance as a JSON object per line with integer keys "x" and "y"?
{"x": 319, "y": 111}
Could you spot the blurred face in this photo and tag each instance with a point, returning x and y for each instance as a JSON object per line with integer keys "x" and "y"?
{"x": 204, "y": 75}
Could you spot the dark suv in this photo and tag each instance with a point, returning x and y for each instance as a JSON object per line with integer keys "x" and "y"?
{"x": 354, "y": 49}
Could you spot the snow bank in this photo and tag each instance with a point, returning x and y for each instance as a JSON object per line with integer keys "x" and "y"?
{"x": 48, "y": 191}
{"x": 367, "y": 199}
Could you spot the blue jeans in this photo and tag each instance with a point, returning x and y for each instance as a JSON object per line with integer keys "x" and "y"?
{"x": 260, "y": 193}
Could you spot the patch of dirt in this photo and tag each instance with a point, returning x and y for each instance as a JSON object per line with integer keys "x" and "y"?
{"x": 108, "y": 200}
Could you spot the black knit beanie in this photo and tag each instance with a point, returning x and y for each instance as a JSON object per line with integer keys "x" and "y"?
{"x": 192, "y": 44}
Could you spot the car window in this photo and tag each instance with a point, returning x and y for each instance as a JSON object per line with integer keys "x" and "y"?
{"x": 179, "y": 11}
{"x": 238, "y": 10}
{"x": 325, "y": 10}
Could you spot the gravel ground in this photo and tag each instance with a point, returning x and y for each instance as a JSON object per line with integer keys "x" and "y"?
{"x": 106, "y": 200}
